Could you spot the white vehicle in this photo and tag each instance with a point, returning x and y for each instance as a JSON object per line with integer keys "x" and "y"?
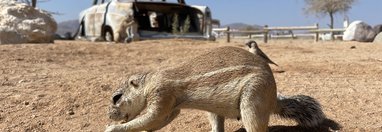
{"x": 130, "y": 20}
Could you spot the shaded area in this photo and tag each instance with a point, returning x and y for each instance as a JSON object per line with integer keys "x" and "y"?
{"x": 327, "y": 126}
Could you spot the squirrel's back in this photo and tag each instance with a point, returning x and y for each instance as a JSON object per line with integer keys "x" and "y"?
{"x": 215, "y": 59}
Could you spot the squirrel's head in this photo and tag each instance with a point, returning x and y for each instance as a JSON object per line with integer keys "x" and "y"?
{"x": 128, "y": 101}
{"x": 252, "y": 44}
{"x": 254, "y": 48}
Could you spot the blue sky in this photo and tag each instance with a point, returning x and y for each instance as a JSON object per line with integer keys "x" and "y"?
{"x": 261, "y": 12}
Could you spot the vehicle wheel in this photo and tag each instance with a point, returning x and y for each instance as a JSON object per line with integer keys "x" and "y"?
{"x": 109, "y": 36}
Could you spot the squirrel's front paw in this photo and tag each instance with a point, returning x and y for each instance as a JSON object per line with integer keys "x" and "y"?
{"x": 115, "y": 128}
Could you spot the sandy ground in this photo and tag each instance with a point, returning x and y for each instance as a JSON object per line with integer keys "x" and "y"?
{"x": 67, "y": 86}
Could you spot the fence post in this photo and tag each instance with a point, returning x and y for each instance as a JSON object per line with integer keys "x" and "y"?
{"x": 293, "y": 37}
{"x": 266, "y": 34}
{"x": 317, "y": 35}
{"x": 228, "y": 35}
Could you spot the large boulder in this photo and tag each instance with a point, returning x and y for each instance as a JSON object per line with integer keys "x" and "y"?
{"x": 378, "y": 39}
{"x": 20, "y": 23}
{"x": 359, "y": 31}
{"x": 377, "y": 28}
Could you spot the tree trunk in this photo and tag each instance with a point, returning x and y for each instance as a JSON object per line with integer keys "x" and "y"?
{"x": 34, "y": 3}
{"x": 331, "y": 26}
{"x": 331, "y": 20}
{"x": 95, "y": 2}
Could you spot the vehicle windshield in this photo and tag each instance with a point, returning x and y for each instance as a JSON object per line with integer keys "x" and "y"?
{"x": 168, "y": 1}
{"x": 171, "y": 19}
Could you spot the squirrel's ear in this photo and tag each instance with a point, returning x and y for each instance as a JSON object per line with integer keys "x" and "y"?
{"x": 134, "y": 83}
{"x": 248, "y": 43}
{"x": 136, "y": 80}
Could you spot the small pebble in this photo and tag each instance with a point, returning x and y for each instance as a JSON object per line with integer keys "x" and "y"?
{"x": 70, "y": 112}
{"x": 41, "y": 123}
{"x": 22, "y": 81}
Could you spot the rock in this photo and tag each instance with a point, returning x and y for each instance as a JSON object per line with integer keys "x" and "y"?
{"x": 378, "y": 39}
{"x": 350, "y": 31}
{"x": 20, "y": 23}
{"x": 70, "y": 112}
{"x": 105, "y": 87}
{"x": 22, "y": 81}
{"x": 359, "y": 31}
{"x": 326, "y": 37}
{"x": 377, "y": 28}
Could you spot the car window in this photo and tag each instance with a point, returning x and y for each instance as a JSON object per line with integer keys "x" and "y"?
{"x": 98, "y": 2}
{"x": 168, "y": 1}
{"x": 125, "y": 0}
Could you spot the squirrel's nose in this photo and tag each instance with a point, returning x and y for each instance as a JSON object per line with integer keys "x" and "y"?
{"x": 116, "y": 98}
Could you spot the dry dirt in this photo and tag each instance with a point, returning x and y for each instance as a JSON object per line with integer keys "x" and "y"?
{"x": 67, "y": 86}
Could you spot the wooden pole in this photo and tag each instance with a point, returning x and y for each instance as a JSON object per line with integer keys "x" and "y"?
{"x": 34, "y": 3}
{"x": 266, "y": 34}
{"x": 228, "y": 35}
{"x": 316, "y": 37}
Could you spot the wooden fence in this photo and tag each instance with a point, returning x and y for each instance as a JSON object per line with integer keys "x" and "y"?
{"x": 265, "y": 31}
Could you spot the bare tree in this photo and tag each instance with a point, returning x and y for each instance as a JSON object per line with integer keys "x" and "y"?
{"x": 328, "y": 7}
{"x": 32, "y": 2}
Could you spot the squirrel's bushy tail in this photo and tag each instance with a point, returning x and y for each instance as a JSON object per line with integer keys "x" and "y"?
{"x": 305, "y": 110}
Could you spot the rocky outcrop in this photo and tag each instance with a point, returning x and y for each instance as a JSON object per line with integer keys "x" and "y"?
{"x": 378, "y": 39}
{"x": 359, "y": 31}
{"x": 377, "y": 28}
{"x": 20, "y": 23}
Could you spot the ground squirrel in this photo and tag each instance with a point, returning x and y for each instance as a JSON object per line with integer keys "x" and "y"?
{"x": 227, "y": 82}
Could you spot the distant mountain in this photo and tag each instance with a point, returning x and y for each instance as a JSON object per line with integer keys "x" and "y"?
{"x": 67, "y": 26}
{"x": 243, "y": 26}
